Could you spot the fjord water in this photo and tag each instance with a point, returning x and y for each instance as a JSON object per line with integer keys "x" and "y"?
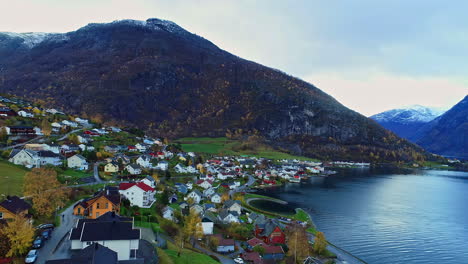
{"x": 388, "y": 216}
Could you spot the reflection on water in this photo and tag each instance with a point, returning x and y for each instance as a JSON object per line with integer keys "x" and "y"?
{"x": 388, "y": 216}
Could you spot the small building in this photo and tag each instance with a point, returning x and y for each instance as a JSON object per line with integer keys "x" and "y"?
{"x": 138, "y": 193}
{"x": 207, "y": 226}
{"x": 216, "y": 198}
{"x": 226, "y": 245}
{"x": 12, "y": 206}
{"x": 168, "y": 213}
{"x": 107, "y": 200}
{"x": 77, "y": 162}
{"x": 134, "y": 169}
{"x": 111, "y": 167}
{"x": 113, "y": 231}
{"x": 195, "y": 195}
{"x": 233, "y": 206}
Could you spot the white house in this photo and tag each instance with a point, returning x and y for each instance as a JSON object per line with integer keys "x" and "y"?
{"x": 133, "y": 169}
{"x": 208, "y": 192}
{"x": 207, "y": 226}
{"x": 69, "y": 123}
{"x": 141, "y": 147}
{"x": 216, "y": 198}
{"x": 233, "y": 206}
{"x": 228, "y": 217}
{"x": 77, "y": 162}
{"x": 25, "y": 114}
{"x": 195, "y": 195}
{"x": 83, "y": 138}
{"x": 162, "y": 165}
{"x": 196, "y": 208}
{"x": 109, "y": 230}
{"x": 149, "y": 181}
{"x": 168, "y": 213}
{"x": 31, "y": 158}
{"x": 144, "y": 161}
{"x": 205, "y": 184}
{"x": 179, "y": 168}
{"x": 226, "y": 245}
{"x": 138, "y": 193}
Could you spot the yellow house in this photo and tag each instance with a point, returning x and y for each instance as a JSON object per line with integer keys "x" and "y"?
{"x": 12, "y": 206}
{"x": 111, "y": 167}
{"x": 107, "y": 200}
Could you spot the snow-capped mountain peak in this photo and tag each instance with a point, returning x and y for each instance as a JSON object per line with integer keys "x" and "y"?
{"x": 409, "y": 114}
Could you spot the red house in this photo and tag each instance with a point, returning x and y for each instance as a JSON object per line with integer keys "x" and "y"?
{"x": 270, "y": 232}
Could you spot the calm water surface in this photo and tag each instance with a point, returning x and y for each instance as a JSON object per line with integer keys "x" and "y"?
{"x": 389, "y": 216}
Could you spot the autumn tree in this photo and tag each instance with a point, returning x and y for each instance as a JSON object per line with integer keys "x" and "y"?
{"x": 20, "y": 233}
{"x": 5, "y": 244}
{"x": 298, "y": 242}
{"x": 225, "y": 197}
{"x": 46, "y": 192}
{"x": 73, "y": 138}
{"x": 3, "y": 135}
{"x": 192, "y": 226}
{"x": 320, "y": 243}
{"x": 46, "y": 127}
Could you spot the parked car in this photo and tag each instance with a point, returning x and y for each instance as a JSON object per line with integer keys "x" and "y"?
{"x": 45, "y": 226}
{"x": 46, "y": 234}
{"x": 238, "y": 260}
{"x": 38, "y": 242}
{"x": 31, "y": 257}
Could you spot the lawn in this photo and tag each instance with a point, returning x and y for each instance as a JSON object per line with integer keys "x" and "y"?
{"x": 226, "y": 146}
{"x": 187, "y": 256}
{"x": 11, "y": 178}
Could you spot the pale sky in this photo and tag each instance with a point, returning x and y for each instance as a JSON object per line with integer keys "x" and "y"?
{"x": 370, "y": 55}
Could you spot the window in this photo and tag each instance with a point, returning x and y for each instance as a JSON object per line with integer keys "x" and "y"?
{"x": 107, "y": 205}
{"x": 79, "y": 210}
{"x": 1, "y": 215}
{"x": 97, "y": 205}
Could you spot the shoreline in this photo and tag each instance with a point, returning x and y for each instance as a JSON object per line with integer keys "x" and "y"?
{"x": 342, "y": 255}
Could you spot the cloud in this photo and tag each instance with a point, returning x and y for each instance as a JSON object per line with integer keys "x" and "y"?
{"x": 371, "y": 92}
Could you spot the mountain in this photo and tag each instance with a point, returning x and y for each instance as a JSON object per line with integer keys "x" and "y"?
{"x": 447, "y": 135}
{"x": 156, "y": 76}
{"x": 406, "y": 121}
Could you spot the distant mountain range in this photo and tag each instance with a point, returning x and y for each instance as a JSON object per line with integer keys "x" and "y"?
{"x": 405, "y": 121}
{"x": 156, "y": 76}
{"x": 441, "y": 133}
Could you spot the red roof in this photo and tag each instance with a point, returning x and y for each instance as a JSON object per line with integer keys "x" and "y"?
{"x": 141, "y": 185}
{"x": 131, "y": 147}
{"x": 273, "y": 250}
{"x": 252, "y": 257}
{"x": 255, "y": 241}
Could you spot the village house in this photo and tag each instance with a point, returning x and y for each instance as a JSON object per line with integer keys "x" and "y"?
{"x": 196, "y": 195}
{"x": 112, "y": 148}
{"x": 207, "y": 226}
{"x": 148, "y": 180}
{"x": 138, "y": 193}
{"x": 273, "y": 252}
{"x": 204, "y": 184}
{"x": 144, "y": 161}
{"x": 162, "y": 165}
{"x": 20, "y": 131}
{"x": 70, "y": 123}
{"x": 216, "y": 198}
{"x": 141, "y": 147}
{"x": 168, "y": 213}
{"x": 134, "y": 169}
{"x": 23, "y": 113}
{"x": 233, "y": 206}
{"x": 226, "y": 245}
{"x": 270, "y": 231}
{"x": 77, "y": 162}
{"x": 30, "y": 158}
{"x": 111, "y": 167}
{"x": 228, "y": 217}
{"x": 208, "y": 192}
{"x": 110, "y": 230}
{"x": 12, "y": 206}
{"x": 107, "y": 200}
{"x": 94, "y": 253}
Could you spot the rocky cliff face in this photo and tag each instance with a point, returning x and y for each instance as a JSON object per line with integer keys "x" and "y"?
{"x": 157, "y": 76}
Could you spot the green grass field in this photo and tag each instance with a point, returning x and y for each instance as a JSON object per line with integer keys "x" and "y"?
{"x": 226, "y": 146}
{"x": 187, "y": 256}
{"x": 11, "y": 179}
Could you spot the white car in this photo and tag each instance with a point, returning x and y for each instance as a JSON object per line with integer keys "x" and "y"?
{"x": 238, "y": 260}
{"x": 31, "y": 257}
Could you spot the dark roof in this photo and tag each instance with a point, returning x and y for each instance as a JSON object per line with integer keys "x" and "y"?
{"x": 15, "y": 204}
{"x": 111, "y": 193}
{"x": 109, "y": 226}
{"x": 226, "y": 242}
{"x": 230, "y": 203}
{"x": 47, "y": 154}
{"x": 94, "y": 253}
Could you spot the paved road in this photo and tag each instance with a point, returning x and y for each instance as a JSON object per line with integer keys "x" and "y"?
{"x": 57, "y": 247}
{"x": 96, "y": 173}
{"x": 242, "y": 187}
{"x": 67, "y": 134}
